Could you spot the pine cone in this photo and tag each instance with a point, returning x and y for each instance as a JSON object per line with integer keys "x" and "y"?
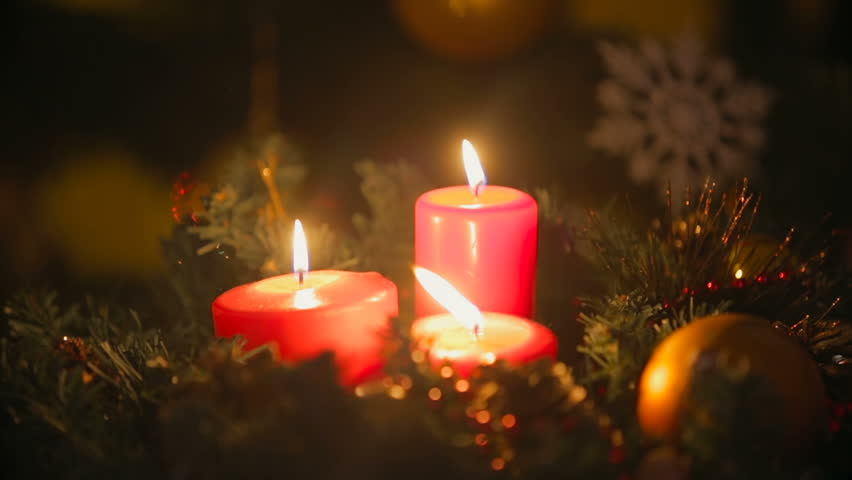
{"x": 74, "y": 349}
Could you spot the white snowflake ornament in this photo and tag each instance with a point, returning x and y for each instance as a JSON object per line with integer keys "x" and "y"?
{"x": 678, "y": 115}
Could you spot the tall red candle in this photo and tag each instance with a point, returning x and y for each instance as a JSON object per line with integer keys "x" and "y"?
{"x": 482, "y": 239}
{"x": 306, "y": 313}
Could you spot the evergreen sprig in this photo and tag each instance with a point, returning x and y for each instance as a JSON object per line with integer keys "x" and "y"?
{"x": 706, "y": 255}
{"x": 385, "y": 236}
{"x": 80, "y": 385}
{"x": 248, "y": 215}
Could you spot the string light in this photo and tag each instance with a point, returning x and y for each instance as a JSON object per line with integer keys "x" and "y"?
{"x": 509, "y": 420}
{"x": 462, "y": 385}
{"x": 578, "y": 394}
{"x": 483, "y": 416}
{"x": 396, "y": 392}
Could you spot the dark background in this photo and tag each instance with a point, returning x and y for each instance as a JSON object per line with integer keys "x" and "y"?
{"x": 158, "y": 88}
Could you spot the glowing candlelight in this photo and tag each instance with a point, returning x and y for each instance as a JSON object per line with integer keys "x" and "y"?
{"x": 444, "y": 293}
{"x": 461, "y": 337}
{"x": 473, "y": 168}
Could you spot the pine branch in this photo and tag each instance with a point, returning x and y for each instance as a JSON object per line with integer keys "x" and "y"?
{"x": 621, "y": 333}
{"x": 85, "y": 374}
{"x": 384, "y": 239}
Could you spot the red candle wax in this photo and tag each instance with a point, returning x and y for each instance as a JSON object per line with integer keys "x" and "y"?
{"x": 467, "y": 337}
{"x": 483, "y": 244}
{"x": 505, "y": 337}
{"x": 338, "y": 311}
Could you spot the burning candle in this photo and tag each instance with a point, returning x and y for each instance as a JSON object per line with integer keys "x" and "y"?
{"x": 306, "y": 313}
{"x": 466, "y": 337}
{"x": 482, "y": 239}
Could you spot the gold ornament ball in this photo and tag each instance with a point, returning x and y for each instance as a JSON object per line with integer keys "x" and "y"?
{"x": 475, "y": 30}
{"x": 744, "y": 341}
{"x": 649, "y": 18}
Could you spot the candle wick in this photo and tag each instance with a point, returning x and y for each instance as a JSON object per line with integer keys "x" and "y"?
{"x": 301, "y": 277}
{"x": 479, "y": 185}
{"x": 477, "y": 331}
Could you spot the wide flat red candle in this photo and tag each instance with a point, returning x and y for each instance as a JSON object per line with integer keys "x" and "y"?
{"x": 343, "y": 312}
{"x": 504, "y": 337}
{"x": 466, "y": 337}
{"x": 485, "y": 245}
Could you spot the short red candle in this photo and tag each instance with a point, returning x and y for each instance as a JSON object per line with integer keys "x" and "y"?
{"x": 504, "y": 337}
{"x": 483, "y": 240}
{"x": 467, "y": 338}
{"x": 342, "y": 312}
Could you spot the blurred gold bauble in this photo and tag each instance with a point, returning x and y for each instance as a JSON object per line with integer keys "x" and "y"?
{"x": 743, "y": 341}
{"x": 475, "y": 30}
{"x": 755, "y": 253}
{"x": 655, "y": 18}
{"x": 105, "y": 213}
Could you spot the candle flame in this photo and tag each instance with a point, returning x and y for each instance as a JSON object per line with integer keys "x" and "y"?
{"x": 473, "y": 168}
{"x": 300, "y": 249}
{"x": 444, "y": 293}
